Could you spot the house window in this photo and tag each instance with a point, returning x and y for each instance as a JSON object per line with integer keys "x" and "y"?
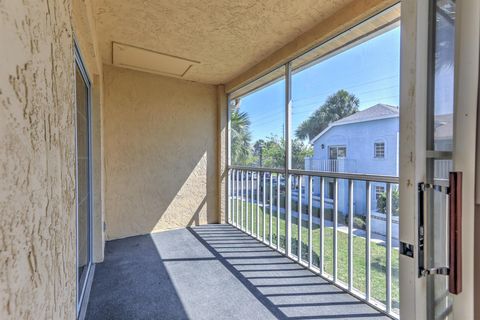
{"x": 337, "y": 152}
{"x": 379, "y": 150}
{"x": 331, "y": 190}
{"x": 378, "y": 191}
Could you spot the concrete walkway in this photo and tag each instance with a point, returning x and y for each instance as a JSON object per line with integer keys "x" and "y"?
{"x": 211, "y": 272}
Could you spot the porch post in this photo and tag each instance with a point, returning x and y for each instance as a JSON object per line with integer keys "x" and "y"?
{"x": 222, "y": 153}
{"x": 288, "y": 158}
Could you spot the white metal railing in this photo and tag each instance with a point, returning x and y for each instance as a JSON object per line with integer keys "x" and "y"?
{"x": 330, "y": 165}
{"x": 322, "y": 233}
{"x": 442, "y": 168}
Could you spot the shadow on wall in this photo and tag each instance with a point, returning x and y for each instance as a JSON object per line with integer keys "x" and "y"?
{"x": 195, "y": 221}
{"x": 160, "y": 151}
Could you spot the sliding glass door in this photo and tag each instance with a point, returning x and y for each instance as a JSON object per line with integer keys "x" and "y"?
{"x": 84, "y": 234}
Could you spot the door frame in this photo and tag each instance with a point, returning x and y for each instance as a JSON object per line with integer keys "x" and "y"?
{"x": 412, "y": 153}
{"x": 414, "y": 77}
{"x": 467, "y": 43}
{"x": 82, "y": 297}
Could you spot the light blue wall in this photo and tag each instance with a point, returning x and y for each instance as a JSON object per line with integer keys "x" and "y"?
{"x": 359, "y": 138}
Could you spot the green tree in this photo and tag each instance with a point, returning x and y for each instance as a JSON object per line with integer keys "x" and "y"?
{"x": 273, "y": 152}
{"x": 258, "y": 151}
{"x": 337, "y": 106}
{"x": 300, "y": 151}
{"x": 241, "y": 136}
{"x": 382, "y": 202}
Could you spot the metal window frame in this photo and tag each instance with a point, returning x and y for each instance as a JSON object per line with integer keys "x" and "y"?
{"x": 336, "y": 147}
{"x": 288, "y": 173}
{"x": 87, "y": 276}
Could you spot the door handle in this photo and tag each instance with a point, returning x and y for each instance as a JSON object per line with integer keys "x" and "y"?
{"x": 454, "y": 269}
{"x": 455, "y": 233}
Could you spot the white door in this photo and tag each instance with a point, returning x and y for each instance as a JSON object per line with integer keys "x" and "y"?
{"x": 439, "y": 89}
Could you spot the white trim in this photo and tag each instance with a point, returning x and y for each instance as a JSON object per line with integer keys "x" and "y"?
{"x": 412, "y": 148}
{"x": 467, "y": 35}
{"x": 335, "y": 124}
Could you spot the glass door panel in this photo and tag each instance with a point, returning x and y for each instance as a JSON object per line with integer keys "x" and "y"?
{"x": 83, "y": 182}
{"x": 440, "y": 147}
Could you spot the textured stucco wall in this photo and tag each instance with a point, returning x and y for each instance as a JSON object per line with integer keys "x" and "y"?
{"x": 160, "y": 138}
{"x": 37, "y": 161}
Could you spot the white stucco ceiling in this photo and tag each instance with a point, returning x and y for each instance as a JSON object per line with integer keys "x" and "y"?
{"x": 225, "y": 36}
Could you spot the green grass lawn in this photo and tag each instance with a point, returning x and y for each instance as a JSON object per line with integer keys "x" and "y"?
{"x": 378, "y": 253}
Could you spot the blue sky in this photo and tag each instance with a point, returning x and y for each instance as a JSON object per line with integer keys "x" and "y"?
{"x": 370, "y": 71}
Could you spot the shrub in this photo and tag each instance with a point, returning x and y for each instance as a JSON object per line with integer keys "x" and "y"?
{"x": 358, "y": 222}
{"x": 382, "y": 202}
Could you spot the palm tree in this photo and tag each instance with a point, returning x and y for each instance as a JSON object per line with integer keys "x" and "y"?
{"x": 337, "y": 106}
{"x": 240, "y": 130}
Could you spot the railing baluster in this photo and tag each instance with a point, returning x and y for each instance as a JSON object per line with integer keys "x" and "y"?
{"x": 310, "y": 217}
{"x": 247, "y": 203}
{"x": 242, "y": 177}
{"x": 288, "y": 213}
{"x": 258, "y": 205}
{"x": 322, "y": 223}
{"x": 252, "y": 230}
{"x": 234, "y": 202}
{"x": 368, "y": 248}
{"x": 231, "y": 192}
{"x": 236, "y": 198}
{"x": 350, "y": 234}
{"x": 240, "y": 198}
{"x": 237, "y": 203}
{"x": 299, "y": 220}
{"x": 264, "y": 203}
{"x": 389, "y": 248}
{"x": 278, "y": 211}
{"x": 250, "y": 202}
{"x": 229, "y": 196}
{"x": 335, "y": 225}
{"x": 271, "y": 211}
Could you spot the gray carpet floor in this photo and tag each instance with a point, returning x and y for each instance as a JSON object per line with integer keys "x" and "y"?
{"x": 211, "y": 272}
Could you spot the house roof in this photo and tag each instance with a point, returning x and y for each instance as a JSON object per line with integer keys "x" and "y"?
{"x": 376, "y": 112}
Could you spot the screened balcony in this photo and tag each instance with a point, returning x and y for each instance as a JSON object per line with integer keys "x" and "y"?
{"x": 239, "y": 159}
{"x": 308, "y": 233}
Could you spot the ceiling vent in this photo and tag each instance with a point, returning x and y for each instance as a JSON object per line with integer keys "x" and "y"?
{"x": 150, "y": 61}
